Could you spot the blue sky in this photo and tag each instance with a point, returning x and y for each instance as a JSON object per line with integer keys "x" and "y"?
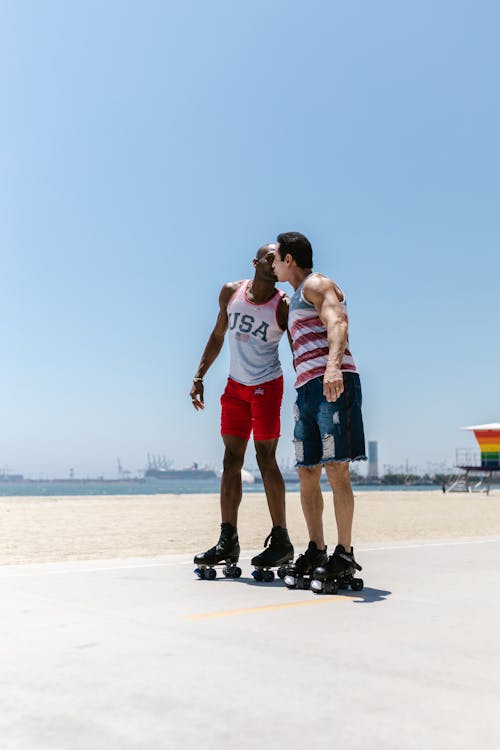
{"x": 146, "y": 151}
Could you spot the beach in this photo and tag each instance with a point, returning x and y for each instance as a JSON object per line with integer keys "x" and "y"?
{"x": 53, "y": 529}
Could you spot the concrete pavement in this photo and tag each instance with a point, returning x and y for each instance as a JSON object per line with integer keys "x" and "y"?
{"x": 129, "y": 654}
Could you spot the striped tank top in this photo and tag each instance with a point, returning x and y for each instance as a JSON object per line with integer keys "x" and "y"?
{"x": 254, "y": 337}
{"x": 310, "y": 342}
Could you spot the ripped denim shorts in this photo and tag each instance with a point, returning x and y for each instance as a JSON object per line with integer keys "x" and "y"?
{"x": 328, "y": 431}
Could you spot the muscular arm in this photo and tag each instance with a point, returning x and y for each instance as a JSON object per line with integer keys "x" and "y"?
{"x": 213, "y": 345}
{"x": 325, "y": 295}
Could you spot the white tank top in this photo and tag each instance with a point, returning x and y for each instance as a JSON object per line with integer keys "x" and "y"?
{"x": 254, "y": 336}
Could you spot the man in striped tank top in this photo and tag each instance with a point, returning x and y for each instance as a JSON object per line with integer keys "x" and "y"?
{"x": 254, "y": 314}
{"x": 328, "y": 422}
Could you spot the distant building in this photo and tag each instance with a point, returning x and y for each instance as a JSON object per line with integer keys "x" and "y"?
{"x": 372, "y": 459}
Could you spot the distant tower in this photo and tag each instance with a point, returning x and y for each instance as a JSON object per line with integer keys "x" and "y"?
{"x": 372, "y": 459}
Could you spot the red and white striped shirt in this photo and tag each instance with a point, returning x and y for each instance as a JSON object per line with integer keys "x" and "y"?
{"x": 310, "y": 342}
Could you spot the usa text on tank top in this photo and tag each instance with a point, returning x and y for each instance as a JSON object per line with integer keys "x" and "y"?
{"x": 254, "y": 336}
{"x": 310, "y": 342}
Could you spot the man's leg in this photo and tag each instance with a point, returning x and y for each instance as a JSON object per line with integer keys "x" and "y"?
{"x": 343, "y": 500}
{"x": 280, "y": 550}
{"x": 343, "y": 420}
{"x": 230, "y": 488}
{"x": 312, "y": 502}
{"x": 274, "y": 485}
{"x": 266, "y": 407}
{"x": 308, "y": 450}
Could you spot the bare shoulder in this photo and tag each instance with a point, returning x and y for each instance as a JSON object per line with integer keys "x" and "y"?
{"x": 227, "y": 291}
{"x": 317, "y": 286}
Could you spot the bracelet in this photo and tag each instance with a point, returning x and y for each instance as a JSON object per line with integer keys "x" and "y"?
{"x": 197, "y": 380}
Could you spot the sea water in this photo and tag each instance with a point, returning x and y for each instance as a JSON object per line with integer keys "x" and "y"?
{"x": 159, "y": 487}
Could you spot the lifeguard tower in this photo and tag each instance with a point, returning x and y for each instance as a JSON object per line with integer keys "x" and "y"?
{"x": 480, "y": 470}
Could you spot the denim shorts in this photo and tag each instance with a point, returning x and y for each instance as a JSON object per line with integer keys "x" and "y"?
{"x": 328, "y": 431}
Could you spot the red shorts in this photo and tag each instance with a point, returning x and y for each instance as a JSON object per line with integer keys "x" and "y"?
{"x": 247, "y": 408}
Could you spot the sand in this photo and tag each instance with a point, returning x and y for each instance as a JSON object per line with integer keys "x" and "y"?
{"x": 35, "y": 529}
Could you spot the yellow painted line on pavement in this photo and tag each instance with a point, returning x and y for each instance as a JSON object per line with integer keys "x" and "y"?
{"x": 269, "y": 607}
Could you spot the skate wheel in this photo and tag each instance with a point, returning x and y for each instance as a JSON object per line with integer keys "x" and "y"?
{"x": 257, "y": 574}
{"x": 357, "y": 584}
{"x": 268, "y": 576}
{"x": 231, "y": 571}
{"x": 331, "y": 587}
{"x": 200, "y": 572}
{"x": 343, "y": 585}
{"x": 281, "y": 572}
{"x": 316, "y": 587}
{"x": 211, "y": 573}
{"x": 290, "y": 582}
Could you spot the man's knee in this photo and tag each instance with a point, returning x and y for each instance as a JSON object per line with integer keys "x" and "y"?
{"x": 265, "y": 453}
{"x": 310, "y": 474}
{"x": 233, "y": 462}
{"x": 339, "y": 471}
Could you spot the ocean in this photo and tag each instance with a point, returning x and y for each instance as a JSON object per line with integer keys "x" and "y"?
{"x": 66, "y": 488}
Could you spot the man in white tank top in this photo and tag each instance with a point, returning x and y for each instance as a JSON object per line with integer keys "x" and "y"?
{"x": 328, "y": 422}
{"x": 254, "y": 314}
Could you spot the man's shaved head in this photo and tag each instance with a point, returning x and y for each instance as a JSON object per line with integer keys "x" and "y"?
{"x": 264, "y": 249}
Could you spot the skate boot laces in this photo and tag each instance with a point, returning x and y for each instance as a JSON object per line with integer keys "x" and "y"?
{"x": 228, "y": 539}
{"x": 346, "y": 557}
{"x": 277, "y": 548}
{"x": 277, "y": 537}
{"x": 308, "y": 556}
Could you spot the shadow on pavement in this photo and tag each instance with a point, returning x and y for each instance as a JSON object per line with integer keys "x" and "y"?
{"x": 367, "y": 595}
{"x": 276, "y": 584}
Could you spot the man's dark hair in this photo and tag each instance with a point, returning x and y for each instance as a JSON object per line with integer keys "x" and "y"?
{"x": 298, "y": 246}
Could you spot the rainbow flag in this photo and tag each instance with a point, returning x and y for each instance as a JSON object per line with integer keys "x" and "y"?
{"x": 488, "y": 437}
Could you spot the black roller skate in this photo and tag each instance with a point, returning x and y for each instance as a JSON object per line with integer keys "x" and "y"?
{"x": 277, "y": 555}
{"x": 337, "y": 573}
{"x": 226, "y": 550}
{"x": 298, "y": 575}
